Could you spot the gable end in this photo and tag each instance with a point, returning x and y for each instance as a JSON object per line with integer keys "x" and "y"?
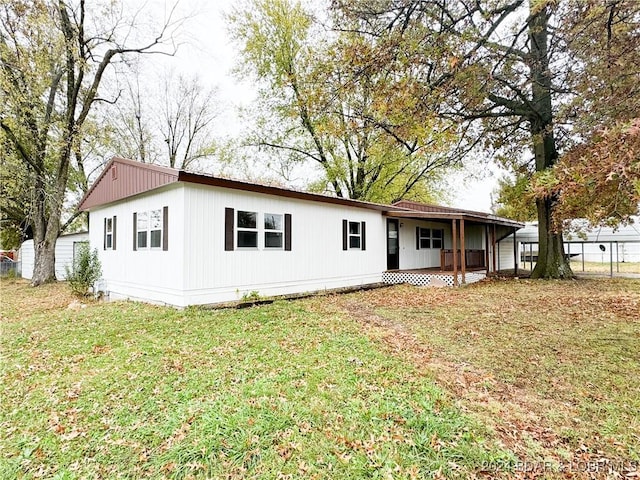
{"x": 123, "y": 178}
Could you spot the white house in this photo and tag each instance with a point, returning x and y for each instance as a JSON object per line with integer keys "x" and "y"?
{"x": 66, "y": 249}
{"x": 181, "y": 238}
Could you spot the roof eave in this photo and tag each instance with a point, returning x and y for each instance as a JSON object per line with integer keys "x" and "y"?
{"x": 489, "y": 219}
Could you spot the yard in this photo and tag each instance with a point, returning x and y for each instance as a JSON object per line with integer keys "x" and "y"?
{"x": 398, "y": 382}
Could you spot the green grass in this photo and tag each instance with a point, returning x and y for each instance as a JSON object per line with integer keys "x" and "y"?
{"x": 127, "y": 390}
{"x": 557, "y": 361}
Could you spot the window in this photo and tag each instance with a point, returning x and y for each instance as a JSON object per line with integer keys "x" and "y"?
{"x": 425, "y": 238}
{"x": 247, "y": 223}
{"x": 436, "y": 238}
{"x": 109, "y": 237}
{"x": 243, "y": 229}
{"x": 150, "y": 229}
{"x": 429, "y": 238}
{"x": 155, "y": 228}
{"x": 273, "y": 230}
{"x": 354, "y": 235}
{"x": 142, "y": 226}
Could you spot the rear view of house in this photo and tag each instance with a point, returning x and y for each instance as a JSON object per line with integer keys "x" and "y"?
{"x": 180, "y": 238}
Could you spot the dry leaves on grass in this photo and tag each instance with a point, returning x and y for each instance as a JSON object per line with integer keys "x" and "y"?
{"x": 532, "y": 309}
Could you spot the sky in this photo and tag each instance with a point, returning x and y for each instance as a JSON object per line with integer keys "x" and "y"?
{"x": 207, "y": 51}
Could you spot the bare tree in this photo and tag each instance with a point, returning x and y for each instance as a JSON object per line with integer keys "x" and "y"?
{"x": 187, "y": 114}
{"x": 54, "y": 57}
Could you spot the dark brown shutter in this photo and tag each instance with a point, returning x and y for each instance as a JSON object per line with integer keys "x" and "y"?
{"x": 135, "y": 230}
{"x": 287, "y": 232}
{"x": 228, "y": 229}
{"x": 417, "y": 238}
{"x": 165, "y": 228}
{"x": 113, "y": 233}
{"x": 104, "y": 235}
{"x": 345, "y": 235}
{"x": 363, "y": 231}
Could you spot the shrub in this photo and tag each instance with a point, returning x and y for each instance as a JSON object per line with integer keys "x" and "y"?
{"x": 85, "y": 272}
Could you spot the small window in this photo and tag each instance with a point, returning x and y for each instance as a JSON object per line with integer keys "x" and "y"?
{"x": 273, "y": 230}
{"x": 425, "y": 238}
{"x": 109, "y": 233}
{"x": 155, "y": 228}
{"x": 355, "y": 238}
{"x": 429, "y": 238}
{"x": 436, "y": 238}
{"x": 142, "y": 227}
{"x": 247, "y": 223}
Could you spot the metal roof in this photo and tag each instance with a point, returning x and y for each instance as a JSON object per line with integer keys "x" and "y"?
{"x": 123, "y": 178}
{"x": 625, "y": 233}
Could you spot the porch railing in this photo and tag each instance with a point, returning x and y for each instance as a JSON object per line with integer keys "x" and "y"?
{"x": 473, "y": 259}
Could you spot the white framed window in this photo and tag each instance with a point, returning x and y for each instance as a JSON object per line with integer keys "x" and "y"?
{"x": 142, "y": 229}
{"x": 155, "y": 228}
{"x": 247, "y": 229}
{"x": 429, "y": 238}
{"x": 150, "y": 229}
{"x": 437, "y": 237}
{"x": 273, "y": 230}
{"x": 355, "y": 235}
{"x": 108, "y": 234}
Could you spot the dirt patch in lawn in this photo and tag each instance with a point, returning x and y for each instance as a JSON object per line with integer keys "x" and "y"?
{"x": 552, "y": 367}
{"x": 41, "y": 299}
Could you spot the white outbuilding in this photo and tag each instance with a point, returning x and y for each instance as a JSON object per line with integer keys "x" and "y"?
{"x": 66, "y": 250}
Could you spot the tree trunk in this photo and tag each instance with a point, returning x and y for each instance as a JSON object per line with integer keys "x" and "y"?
{"x": 44, "y": 267}
{"x": 552, "y": 262}
{"x": 47, "y": 221}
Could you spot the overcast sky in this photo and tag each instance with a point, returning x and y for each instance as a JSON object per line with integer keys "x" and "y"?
{"x": 207, "y": 51}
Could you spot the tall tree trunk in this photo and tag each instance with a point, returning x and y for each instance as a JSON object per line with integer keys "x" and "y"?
{"x": 48, "y": 220}
{"x": 43, "y": 246}
{"x": 552, "y": 262}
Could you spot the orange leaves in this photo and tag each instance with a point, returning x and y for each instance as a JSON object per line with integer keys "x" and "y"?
{"x": 599, "y": 180}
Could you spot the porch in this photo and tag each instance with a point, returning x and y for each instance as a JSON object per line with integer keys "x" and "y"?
{"x": 433, "y": 277}
{"x": 450, "y": 247}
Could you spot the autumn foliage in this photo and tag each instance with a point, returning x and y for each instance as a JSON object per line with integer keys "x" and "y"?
{"x": 598, "y": 180}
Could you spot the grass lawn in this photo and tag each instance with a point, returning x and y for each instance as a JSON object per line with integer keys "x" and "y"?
{"x": 127, "y": 390}
{"x": 605, "y": 267}
{"x": 400, "y": 382}
{"x": 553, "y": 368}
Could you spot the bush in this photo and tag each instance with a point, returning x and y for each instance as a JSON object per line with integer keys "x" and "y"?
{"x": 85, "y": 272}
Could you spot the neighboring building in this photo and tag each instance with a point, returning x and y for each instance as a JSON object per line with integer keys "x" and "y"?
{"x": 66, "y": 250}
{"x": 181, "y": 238}
{"x": 601, "y": 245}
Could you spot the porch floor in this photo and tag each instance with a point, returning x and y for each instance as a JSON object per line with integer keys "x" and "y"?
{"x": 434, "y": 277}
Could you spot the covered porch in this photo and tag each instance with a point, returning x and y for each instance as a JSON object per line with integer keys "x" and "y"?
{"x": 473, "y": 236}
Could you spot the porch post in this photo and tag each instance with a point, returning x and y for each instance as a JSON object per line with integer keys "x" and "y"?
{"x": 463, "y": 252}
{"x": 515, "y": 251}
{"x": 486, "y": 247}
{"x": 454, "y": 235}
{"x": 493, "y": 247}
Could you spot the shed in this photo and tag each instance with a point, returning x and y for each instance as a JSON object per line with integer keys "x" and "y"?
{"x": 66, "y": 249}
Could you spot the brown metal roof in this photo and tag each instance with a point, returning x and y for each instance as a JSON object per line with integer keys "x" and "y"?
{"x": 439, "y": 212}
{"x": 281, "y": 192}
{"x": 124, "y": 178}
{"x": 478, "y": 217}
